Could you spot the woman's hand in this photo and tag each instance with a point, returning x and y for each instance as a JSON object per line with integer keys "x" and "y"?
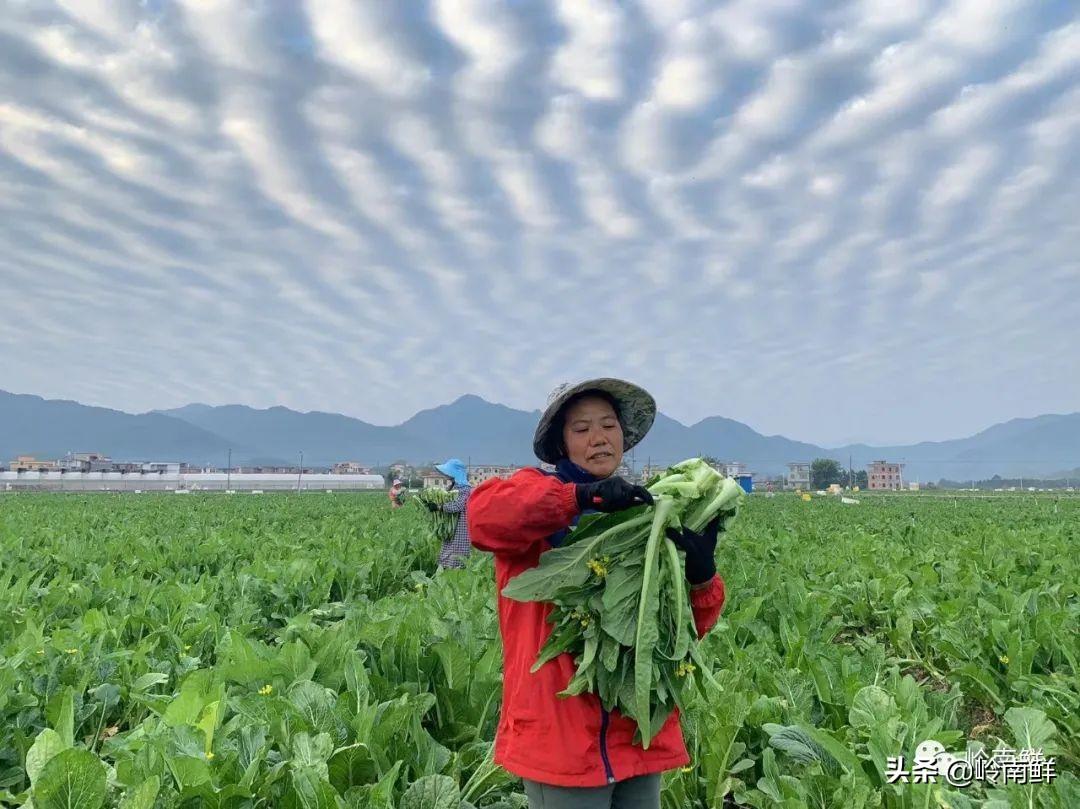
{"x": 700, "y": 564}
{"x": 432, "y": 507}
{"x": 611, "y": 494}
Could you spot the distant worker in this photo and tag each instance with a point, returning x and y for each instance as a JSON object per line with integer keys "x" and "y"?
{"x": 457, "y": 548}
{"x": 397, "y": 494}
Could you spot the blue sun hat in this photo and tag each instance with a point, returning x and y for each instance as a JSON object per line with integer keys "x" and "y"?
{"x": 454, "y": 469}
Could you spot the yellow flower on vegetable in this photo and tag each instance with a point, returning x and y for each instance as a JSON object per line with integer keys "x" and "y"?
{"x": 266, "y": 690}
{"x": 599, "y": 566}
{"x": 209, "y": 755}
{"x": 686, "y": 769}
{"x": 685, "y": 668}
{"x": 1004, "y": 660}
{"x": 72, "y": 651}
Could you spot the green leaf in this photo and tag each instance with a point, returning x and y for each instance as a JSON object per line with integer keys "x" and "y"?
{"x": 563, "y": 567}
{"x": 312, "y": 752}
{"x": 740, "y": 765}
{"x": 1031, "y": 729}
{"x": 73, "y": 779}
{"x": 647, "y": 634}
{"x": 982, "y": 678}
{"x": 622, "y": 588}
{"x": 48, "y": 744}
{"x": 187, "y": 706}
{"x": 315, "y": 704}
{"x": 309, "y": 790}
{"x": 558, "y": 642}
{"x": 840, "y": 752}
{"x": 149, "y": 680}
{"x": 904, "y": 628}
{"x": 770, "y": 783}
{"x": 678, "y": 599}
{"x": 432, "y": 792}
{"x": 208, "y": 722}
{"x": 454, "y": 660}
{"x": 352, "y": 766}
{"x": 801, "y": 746}
{"x": 871, "y": 707}
{"x": 143, "y": 796}
{"x": 65, "y": 721}
{"x": 188, "y": 771}
{"x": 108, "y": 694}
{"x": 609, "y": 652}
{"x": 379, "y": 796}
{"x": 246, "y": 661}
{"x": 296, "y": 660}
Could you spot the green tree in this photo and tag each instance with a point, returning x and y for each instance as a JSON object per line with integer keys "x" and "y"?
{"x": 859, "y": 478}
{"x": 824, "y": 472}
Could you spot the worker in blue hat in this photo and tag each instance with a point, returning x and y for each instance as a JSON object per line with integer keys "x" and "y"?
{"x": 457, "y": 548}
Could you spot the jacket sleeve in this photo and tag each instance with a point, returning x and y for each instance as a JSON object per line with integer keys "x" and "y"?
{"x": 508, "y": 516}
{"x": 706, "y": 603}
{"x": 457, "y": 505}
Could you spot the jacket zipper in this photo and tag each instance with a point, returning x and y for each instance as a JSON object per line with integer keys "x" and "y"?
{"x": 603, "y": 745}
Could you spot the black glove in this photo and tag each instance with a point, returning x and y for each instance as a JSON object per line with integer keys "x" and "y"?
{"x": 611, "y": 494}
{"x": 432, "y": 507}
{"x": 700, "y": 565}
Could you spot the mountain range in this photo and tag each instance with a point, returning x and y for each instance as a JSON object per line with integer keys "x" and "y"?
{"x": 483, "y": 432}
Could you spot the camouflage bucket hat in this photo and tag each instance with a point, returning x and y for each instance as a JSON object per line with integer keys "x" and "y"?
{"x": 637, "y": 410}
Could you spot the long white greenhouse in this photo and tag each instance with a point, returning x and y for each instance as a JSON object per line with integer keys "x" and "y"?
{"x": 182, "y": 481}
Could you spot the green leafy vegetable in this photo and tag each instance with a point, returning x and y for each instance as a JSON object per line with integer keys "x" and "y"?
{"x": 621, "y": 606}
{"x": 443, "y": 524}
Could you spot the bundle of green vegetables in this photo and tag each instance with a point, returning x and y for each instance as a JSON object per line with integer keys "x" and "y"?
{"x": 621, "y": 601}
{"x": 443, "y": 524}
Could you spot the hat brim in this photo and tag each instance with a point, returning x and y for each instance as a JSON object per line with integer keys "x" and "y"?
{"x": 637, "y": 412}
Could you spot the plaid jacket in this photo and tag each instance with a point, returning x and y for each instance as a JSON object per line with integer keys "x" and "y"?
{"x": 453, "y": 553}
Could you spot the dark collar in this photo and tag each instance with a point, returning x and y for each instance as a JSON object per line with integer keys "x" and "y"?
{"x": 569, "y": 472}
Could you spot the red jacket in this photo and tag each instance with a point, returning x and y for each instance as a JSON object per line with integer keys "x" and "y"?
{"x": 561, "y": 741}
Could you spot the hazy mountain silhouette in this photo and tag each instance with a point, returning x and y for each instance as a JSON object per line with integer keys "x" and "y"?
{"x": 477, "y": 430}
{"x": 50, "y": 428}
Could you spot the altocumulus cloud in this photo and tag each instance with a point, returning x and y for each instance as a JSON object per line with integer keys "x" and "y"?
{"x": 829, "y": 219}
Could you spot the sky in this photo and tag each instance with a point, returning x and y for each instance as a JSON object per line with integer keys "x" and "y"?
{"x": 830, "y": 220}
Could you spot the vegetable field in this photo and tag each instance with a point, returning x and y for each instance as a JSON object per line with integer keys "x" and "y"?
{"x": 301, "y": 651}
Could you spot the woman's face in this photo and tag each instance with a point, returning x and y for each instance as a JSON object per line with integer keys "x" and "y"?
{"x": 593, "y": 436}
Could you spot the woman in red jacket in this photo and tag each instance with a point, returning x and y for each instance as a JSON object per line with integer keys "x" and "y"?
{"x": 570, "y": 751}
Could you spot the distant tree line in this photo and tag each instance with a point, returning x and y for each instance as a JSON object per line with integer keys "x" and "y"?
{"x": 824, "y": 472}
{"x": 998, "y": 482}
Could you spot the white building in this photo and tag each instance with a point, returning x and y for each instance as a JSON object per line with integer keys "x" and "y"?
{"x": 350, "y": 468}
{"x": 434, "y": 480}
{"x": 478, "y": 474}
{"x": 798, "y": 476}
{"x": 166, "y": 468}
{"x": 185, "y": 481}
{"x": 649, "y": 471}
